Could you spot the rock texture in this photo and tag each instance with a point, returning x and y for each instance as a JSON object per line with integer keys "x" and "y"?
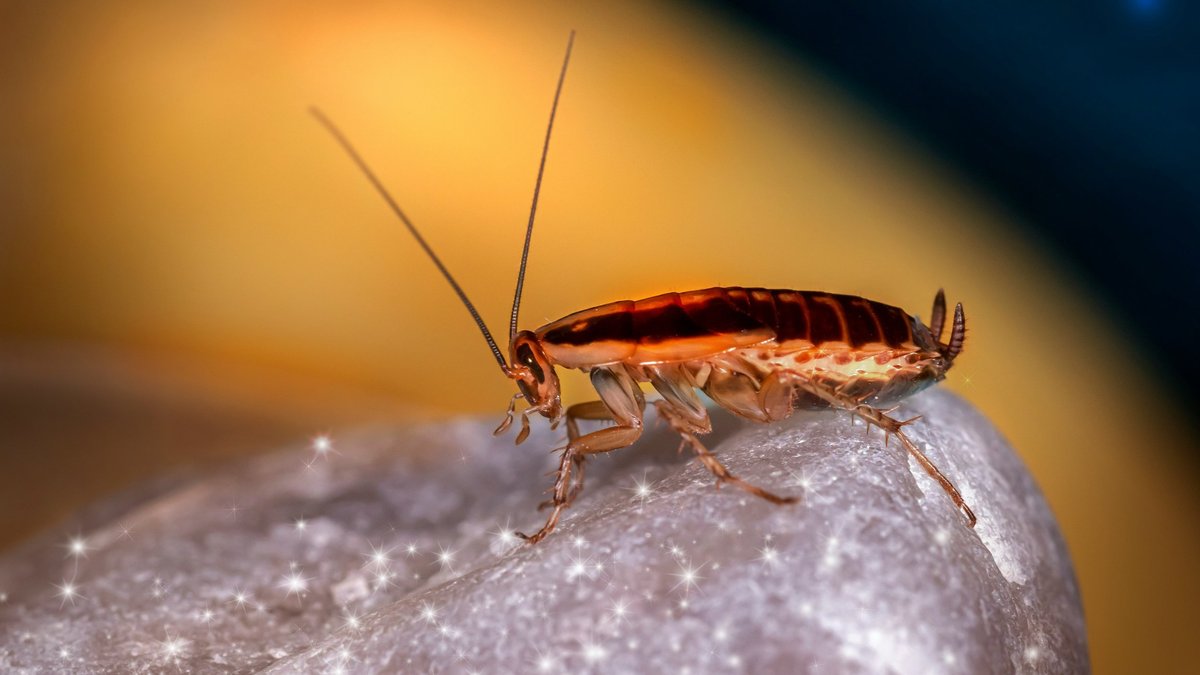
{"x": 392, "y": 551}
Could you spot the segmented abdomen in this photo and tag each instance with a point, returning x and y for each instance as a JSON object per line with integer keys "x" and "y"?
{"x": 697, "y": 324}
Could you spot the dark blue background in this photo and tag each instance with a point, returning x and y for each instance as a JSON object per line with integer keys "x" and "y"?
{"x": 1083, "y": 119}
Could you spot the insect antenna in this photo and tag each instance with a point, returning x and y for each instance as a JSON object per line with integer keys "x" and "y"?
{"x": 341, "y": 139}
{"x": 537, "y": 188}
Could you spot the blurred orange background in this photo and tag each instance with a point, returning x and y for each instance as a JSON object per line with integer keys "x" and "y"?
{"x": 191, "y": 270}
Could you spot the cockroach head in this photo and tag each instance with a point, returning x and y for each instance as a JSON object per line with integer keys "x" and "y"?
{"x": 534, "y": 374}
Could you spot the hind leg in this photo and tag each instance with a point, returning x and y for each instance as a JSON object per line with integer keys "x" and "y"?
{"x": 891, "y": 427}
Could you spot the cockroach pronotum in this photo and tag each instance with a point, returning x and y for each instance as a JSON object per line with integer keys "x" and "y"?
{"x": 759, "y": 353}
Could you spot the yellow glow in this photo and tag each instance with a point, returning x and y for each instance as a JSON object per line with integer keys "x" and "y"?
{"x": 175, "y": 198}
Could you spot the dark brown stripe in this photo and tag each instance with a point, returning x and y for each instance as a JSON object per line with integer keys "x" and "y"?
{"x": 716, "y": 312}
{"x": 791, "y": 316}
{"x": 895, "y": 324}
{"x": 860, "y": 325}
{"x": 614, "y": 325}
{"x": 762, "y": 307}
{"x": 665, "y": 322}
{"x": 740, "y": 298}
{"x": 824, "y": 324}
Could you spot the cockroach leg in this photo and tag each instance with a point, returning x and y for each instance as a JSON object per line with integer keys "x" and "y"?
{"x": 590, "y": 410}
{"x": 891, "y": 427}
{"x": 777, "y": 396}
{"x": 559, "y": 498}
{"x": 687, "y": 428}
{"x": 604, "y": 440}
{"x": 621, "y": 397}
{"x": 740, "y": 394}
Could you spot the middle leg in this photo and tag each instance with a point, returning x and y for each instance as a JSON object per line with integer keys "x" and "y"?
{"x": 681, "y": 408}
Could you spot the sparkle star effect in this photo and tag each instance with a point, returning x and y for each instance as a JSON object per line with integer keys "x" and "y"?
{"x": 295, "y": 583}
{"x": 322, "y": 447}
{"x": 172, "y": 648}
{"x": 689, "y": 577}
{"x": 642, "y": 488}
{"x": 546, "y": 663}
{"x": 351, "y": 619}
{"x": 339, "y": 662}
{"x": 619, "y": 611}
{"x": 240, "y": 599}
{"x": 429, "y": 612}
{"x": 768, "y": 556}
{"x": 445, "y": 557}
{"x": 583, "y": 567}
{"x": 68, "y": 590}
{"x": 800, "y": 479}
{"x": 125, "y": 530}
{"x": 77, "y": 547}
{"x": 505, "y": 535}
{"x": 379, "y": 557}
{"x": 592, "y": 651}
{"x": 382, "y": 578}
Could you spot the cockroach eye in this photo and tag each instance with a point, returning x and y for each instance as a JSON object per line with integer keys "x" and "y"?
{"x": 526, "y": 357}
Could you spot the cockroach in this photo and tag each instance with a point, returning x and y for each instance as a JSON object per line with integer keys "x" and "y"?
{"x": 759, "y": 353}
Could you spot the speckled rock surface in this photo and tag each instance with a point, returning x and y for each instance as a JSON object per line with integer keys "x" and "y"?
{"x": 392, "y": 551}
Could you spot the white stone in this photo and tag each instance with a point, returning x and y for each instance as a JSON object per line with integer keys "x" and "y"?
{"x": 874, "y": 571}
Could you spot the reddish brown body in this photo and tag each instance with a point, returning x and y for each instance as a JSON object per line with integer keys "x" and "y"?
{"x": 838, "y": 338}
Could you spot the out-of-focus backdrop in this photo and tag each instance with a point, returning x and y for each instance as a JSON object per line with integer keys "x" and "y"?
{"x": 191, "y": 271}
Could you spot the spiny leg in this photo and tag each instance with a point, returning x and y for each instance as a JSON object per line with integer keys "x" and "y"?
{"x": 894, "y": 427}
{"x": 604, "y": 440}
{"x": 623, "y": 400}
{"x": 559, "y": 499}
{"x": 687, "y": 429}
{"x": 591, "y": 410}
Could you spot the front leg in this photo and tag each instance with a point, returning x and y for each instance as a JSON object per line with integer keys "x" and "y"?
{"x": 591, "y": 410}
{"x": 623, "y": 400}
